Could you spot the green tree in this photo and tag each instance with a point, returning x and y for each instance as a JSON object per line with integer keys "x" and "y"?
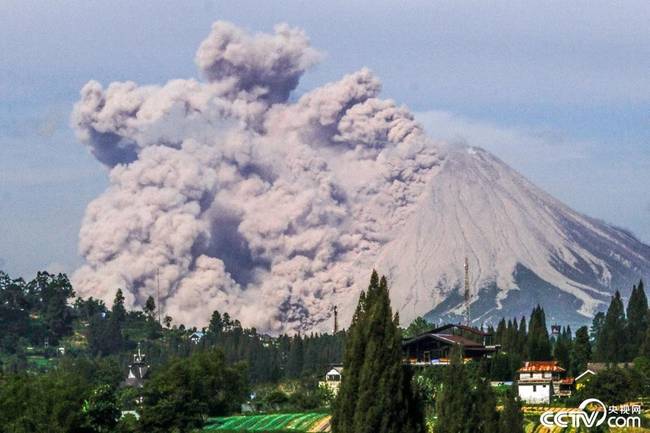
{"x": 86, "y": 309}
{"x": 512, "y": 418}
{"x": 50, "y": 295}
{"x": 417, "y": 327}
{"x": 295, "y": 359}
{"x": 216, "y": 324}
{"x": 539, "y": 346}
{"x": 184, "y": 391}
{"x": 581, "y": 353}
{"x": 500, "y": 367}
{"x": 14, "y": 313}
{"x": 645, "y": 347}
{"x": 613, "y": 386}
{"x": 104, "y": 335}
{"x": 597, "y": 326}
{"x": 637, "y": 320}
{"x": 150, "y": 308}
{"x": 49, "y": 402}
{"x": 642, "y": 367}
{"x": 455, "y": 398}
{"x": 101, "y": 409}
{"x": 118, "y": 311}
{"x": 562, "y": 349}
{"x": 522, "y": 337}
{"x": 376, "y": 394}
{"x": 485, "y": 409}
{"x": 354, "y": 354}
{"x": 611, "y": 346}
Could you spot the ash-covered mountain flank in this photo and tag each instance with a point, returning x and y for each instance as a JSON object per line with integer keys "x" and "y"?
{"x": 524, "y": 247}
{"x": 233, "y": 193}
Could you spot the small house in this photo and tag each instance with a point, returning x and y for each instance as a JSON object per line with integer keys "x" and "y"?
{"x": 332, "y": 379}
{"x": 196, "y": 336}
{"x": 539, "y": 381}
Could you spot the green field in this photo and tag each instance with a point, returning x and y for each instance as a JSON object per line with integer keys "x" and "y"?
{"x": 279, "y": 423}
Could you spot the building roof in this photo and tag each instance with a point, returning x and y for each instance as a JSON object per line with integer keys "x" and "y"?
{"x": 442, "y": 328}
{"x": 596, "y": 367}
{"x": 336, "y": 368}
{"x": 137, "y": 374}
{"x": 445, "y": 338}
{"x": 541, "y": 367}
{"x": 584, "y": 373}
{"x": 457, "y": 339}
{"x": 443, "y": 331}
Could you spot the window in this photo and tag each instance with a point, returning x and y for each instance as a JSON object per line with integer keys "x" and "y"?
{"x": 531, "y": 375}
{"x": 534, "y": 388}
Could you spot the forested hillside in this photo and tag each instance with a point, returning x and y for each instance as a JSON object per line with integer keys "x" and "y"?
{"x": 64, "y": 361}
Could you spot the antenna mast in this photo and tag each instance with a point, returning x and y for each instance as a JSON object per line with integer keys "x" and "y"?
{"x": 467, "y": 294}
{"x": 158, "y": 293}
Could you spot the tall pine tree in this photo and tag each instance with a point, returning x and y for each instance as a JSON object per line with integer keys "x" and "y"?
{"x": 539, "y": 345}
{"x": 597, "y": 326}
{"x": 637, "y": 320}
{"x": 118, "y": 311}
{"x": 511, "y": 419}
{"x": 581, "y": 353}
{"x": 376, "y": 394}
{"x": 611, "y": 346}
{"x": 562, "y": 349}
{"x": 485, "y": 408}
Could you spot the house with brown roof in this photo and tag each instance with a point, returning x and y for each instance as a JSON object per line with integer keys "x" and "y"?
{"x": 434, "y": 347}
{"x": 539, "y": 381}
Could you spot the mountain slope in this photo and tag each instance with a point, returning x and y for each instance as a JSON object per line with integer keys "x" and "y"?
{"x": 524, "y": 247}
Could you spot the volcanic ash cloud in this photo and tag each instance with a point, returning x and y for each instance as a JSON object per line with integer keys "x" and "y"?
{"x": 229, "y": 197}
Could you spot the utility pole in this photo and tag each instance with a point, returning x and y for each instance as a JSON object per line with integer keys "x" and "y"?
{"x": 336, "y": 319}
{"x": 158, "y": 293}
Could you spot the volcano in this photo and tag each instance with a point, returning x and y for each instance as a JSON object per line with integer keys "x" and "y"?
{"x": 523, "y": 247}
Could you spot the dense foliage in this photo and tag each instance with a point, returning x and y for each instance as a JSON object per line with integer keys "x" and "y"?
{"x": 613, "y": 337}
{"x": 376, "y": 394}
{"x": 184, "y": 391}
{"x": 63, "y": 361}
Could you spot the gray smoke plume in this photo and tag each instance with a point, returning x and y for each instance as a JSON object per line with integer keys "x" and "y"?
{"x": 227, "y": 197}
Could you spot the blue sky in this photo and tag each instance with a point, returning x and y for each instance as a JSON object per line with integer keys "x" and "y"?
{"x": 560, "y": 91}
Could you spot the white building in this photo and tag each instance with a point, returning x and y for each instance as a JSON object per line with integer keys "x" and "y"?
{"x": 539, "y": 381}
{"x": 332, "y": 379}
{"x": 196, "y": 336}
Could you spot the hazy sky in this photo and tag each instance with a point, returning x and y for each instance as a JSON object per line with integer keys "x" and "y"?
{"x": 560, "y": 91}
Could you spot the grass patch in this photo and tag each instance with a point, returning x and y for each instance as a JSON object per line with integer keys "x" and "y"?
{"x": 276, "y": 423}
